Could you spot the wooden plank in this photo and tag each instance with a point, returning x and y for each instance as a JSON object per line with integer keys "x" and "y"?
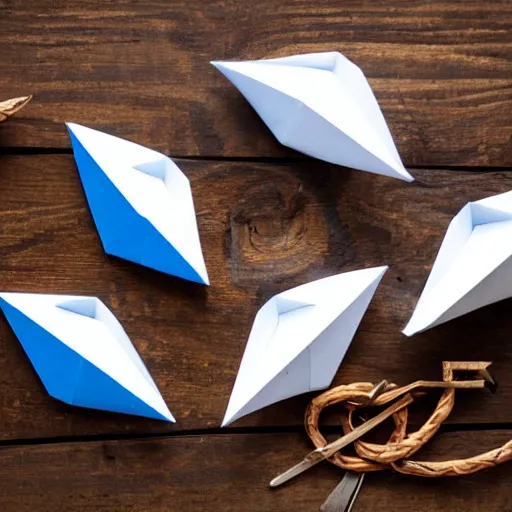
{"x": 230, "y": 473}
{"x": 264, "y": 228}
{"x": 440, "y": 69}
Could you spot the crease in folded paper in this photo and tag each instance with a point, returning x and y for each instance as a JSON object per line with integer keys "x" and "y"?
{"x": 77, "y": 346}
{"x": 300, "y": 349}
{"x": 473, "y": 267}
{"x": 141, "y": 203}
{"x": 321, "y": 105}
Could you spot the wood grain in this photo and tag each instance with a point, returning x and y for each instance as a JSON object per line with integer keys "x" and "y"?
{"x": 440, "y": 69}
{"x": 264, "y": 228}
{"x": 230, "y": 473}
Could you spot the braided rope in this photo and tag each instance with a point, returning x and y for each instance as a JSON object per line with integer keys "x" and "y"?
{"x": 10, "y": 107}
{"x": 394, "y": 454}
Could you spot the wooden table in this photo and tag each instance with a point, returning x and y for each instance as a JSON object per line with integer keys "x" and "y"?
{"x": 269, "y": 219}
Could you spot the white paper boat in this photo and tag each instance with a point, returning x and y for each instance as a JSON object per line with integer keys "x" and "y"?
{"x": 299, "y": 338}
{"x": 82, "y": 353}
{"x": 473, "y": 267}
{"x": 141, "y": 203}
{"x": 322, "y": 105}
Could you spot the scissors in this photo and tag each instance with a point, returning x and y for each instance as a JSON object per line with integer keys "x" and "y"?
{"x": 344, "y": 495}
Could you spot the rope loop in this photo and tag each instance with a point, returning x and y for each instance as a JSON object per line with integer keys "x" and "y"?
{"x": 401, "y": 446}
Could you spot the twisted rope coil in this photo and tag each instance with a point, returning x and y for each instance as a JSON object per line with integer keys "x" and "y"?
{"x": 10, "y": 107}
{"x": 400, "y": 446}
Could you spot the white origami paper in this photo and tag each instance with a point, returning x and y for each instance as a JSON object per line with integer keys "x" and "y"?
{"x": 322, "y": 105}
{"x": 473, "y": 267}
{"x": 82, "y": 353}
{"x": 141, "y": 203}
{"x": 299, "y": 338}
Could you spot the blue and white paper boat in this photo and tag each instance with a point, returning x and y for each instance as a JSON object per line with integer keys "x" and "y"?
{"x": 141, "y": 203}
{"x": 322, "y": 105}
{"x": 473, "y": 267}
{"x": 299, "y": 338}
{"x": 82, "y": 353}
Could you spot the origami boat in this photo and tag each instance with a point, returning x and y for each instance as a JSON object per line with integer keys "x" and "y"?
{"x": 82, "y": 353}
{"x": 141, "y": 203}
{"x": 322, "y": 105}
{"x": 299, "y": 338}
{"x": 473, "y": 267}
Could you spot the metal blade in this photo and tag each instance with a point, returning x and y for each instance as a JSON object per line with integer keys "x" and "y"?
{"x": 344, "y": 495}
{"x": 309, "y": 461}
{"x": 320, "y": 454}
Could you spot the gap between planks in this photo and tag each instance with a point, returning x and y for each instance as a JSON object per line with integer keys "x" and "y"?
{"x": 32, "y": 151}
{"x": 328, "y": 429}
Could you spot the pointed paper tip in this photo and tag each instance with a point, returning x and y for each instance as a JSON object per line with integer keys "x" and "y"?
{"x": 228, "y": 420}
{"x": 230, "y": 417}
{"x": 417, "y": 323}
{"x": 202, "y": 277}
{"x": 73, "y": 130}
{"x": 408, "y": 332}
{"x": 169, "y": 417}
{"x": 400, "y": 172}
{"x": 408, "y": 178}
{"x": 410, "y": 329}
{"x": 163, "y": 415}
{"x": 403, "y": 174}
{"x": 223, "y": 65}
{"x": 218, "y": 64}
{"x": 162, "y": 412}
{"x": 379, "y": 271}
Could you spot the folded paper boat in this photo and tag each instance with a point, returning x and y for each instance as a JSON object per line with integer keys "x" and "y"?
{"x": 322, "y": 105}
{"x": 82, "y": 353}
{"x": 141, "y": 203}
{"x": 473, "y": 267}
{"x": 299, "y": 338}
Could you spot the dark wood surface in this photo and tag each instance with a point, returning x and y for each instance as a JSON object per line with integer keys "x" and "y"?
{"x": 264, "y": 228}
{"x": 269, "y": 219}
{"x": 231, "y": 473}
{"x": 440, "y": 69}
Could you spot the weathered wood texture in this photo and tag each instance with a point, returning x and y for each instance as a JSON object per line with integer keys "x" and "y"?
{"x": 264, "y": 228}
{"x": 440, "y": 69}
{"x": 231, "y": 473}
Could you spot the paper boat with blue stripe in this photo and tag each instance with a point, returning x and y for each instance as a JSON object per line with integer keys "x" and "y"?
{"x": 322, "y": 105}
{"x": 299, "y": 338}
{"x": 82, "y": 353}
{"x": 473, "y": 267}
{"x": 141, "y": 203}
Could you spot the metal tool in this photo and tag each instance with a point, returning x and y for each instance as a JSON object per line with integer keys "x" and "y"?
{"x": 345, "y": 493}
{"x": 321, "y": 454}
